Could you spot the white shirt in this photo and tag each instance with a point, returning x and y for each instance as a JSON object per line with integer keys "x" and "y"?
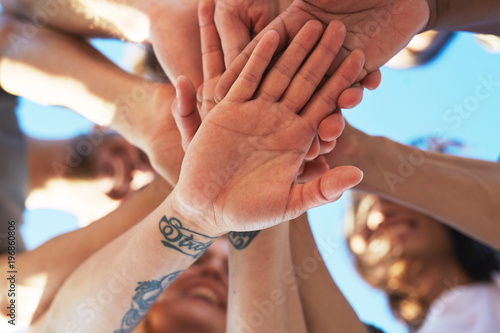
{"x": 469, "y": 309}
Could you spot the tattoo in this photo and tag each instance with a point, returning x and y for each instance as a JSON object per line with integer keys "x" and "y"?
{"x": 241, "y": 240}
{"x": 182, "y": 239}
{"x": 146, "y": 294}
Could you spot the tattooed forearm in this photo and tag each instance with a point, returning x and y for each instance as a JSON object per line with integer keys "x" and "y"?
{"x": 241, "y": 240}
{"x": 183, "y": 240}
{"x": 146, "y": 294}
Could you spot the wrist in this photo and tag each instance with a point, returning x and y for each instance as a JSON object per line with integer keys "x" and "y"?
{"x": 196, "y": 220}
{"x": 370, "y": 159}
{"x": 386, "y": 166}
{"x": 134, "y": 108}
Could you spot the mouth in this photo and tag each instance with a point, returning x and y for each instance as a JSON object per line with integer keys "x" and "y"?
{"x": 206, "y": 295}
{"x": 398, "y": 227}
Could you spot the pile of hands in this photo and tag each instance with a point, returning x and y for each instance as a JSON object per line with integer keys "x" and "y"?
{"x": 256, "y": 131}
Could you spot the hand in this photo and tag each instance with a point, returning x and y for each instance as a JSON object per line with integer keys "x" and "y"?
{"x": 378, "y": 27}
{"x": 316, "y": 163}
{"x": 213, "y": 68}
{"x": 353, "y": 147}
{"x": 153, "y": 129}
{"x": 239, "y": 20}
{"x": 240, "y": 167}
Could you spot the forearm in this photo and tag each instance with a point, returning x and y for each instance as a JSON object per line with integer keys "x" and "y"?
{"x": 76, "y": 76}
{"x": 175, "y": 36}
{"x": 318, "y": 290}
{"x": 462, "y": 192}
{"x": 59, "y": 257}
{"x": 463, "y": 15}
{"x": 115, "y": 287}
{"x": 171, "y": 26}
{"x": 46, "y": 268}
{"x": 262, "y": 291}
{"x": 123, "y": 19}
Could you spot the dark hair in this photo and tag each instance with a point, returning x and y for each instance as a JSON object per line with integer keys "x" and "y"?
{"x": 479, "y": 261}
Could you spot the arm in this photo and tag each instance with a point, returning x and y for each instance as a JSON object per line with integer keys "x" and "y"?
{"x": 462, "y": 15}
{"x": 225, "y": 184}
{"x": 114, "y": 289}
{"x": 323, "y": 304}
{"x": 462, "y": 192}
{"x": 73, "y": 77}
{"x": 263, "y": 302}
{"x": 46, "y": 268}
{"x": 170, "y": 26}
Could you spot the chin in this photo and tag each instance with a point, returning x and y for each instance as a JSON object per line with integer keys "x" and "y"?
{"x": 185, "y": 317}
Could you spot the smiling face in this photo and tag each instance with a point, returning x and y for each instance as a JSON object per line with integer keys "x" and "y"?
{"x": 384, "y": 228}
{"x": 197, "y": 300}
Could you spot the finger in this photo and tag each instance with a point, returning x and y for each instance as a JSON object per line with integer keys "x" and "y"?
{"x": 282, "y": 72}
{"x": 199, "y": 99}
{"x": 325, "y": 147}
{"x": 234, "y": 33}
{"x": 313, "y": 150}
{"x": 249, "y": 79}
{"x": 313, "y": 169}
{"x": 325, "y": 189}
{"x": 331, "y": 127}
{"x": 312, "y": 72}
{"x": 186, "y": 115}
{"x": 350, "y": 97}
{"x": 372, "y": 80}
{"x": 232, "y": 71}
{"x": 301, "y": 168}
{"x": 325, "y": 100}
{"x": 211, "y": 49}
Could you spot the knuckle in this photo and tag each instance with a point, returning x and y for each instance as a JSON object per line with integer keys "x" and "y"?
{"x": 250, "y": 77}
{"x": 284, "y": 70}
{"x": 310, "y": 76}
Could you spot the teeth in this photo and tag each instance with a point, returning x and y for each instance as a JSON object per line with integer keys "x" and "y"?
{"x": 204, "y": 294}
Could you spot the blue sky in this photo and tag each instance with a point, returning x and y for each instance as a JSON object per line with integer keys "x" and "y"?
{"x": 408, "y": 104}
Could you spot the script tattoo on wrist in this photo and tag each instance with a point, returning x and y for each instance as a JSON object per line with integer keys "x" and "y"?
{"x": 183, "y": 240}
{"x": 146, "y": 294}
{"x": 241, "y": 240}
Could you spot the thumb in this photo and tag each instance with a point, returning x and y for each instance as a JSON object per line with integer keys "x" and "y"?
{"x": 186, "y": 115}
{"x": 328, "y": 188}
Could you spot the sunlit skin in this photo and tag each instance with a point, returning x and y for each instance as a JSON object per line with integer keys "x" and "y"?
{"x": 415, "y": 234}
{"x": 197, "y": 300}
{"x": 115, "y": 162}
{"x": 100, "y": 169}
{"x": 402, "y": 250}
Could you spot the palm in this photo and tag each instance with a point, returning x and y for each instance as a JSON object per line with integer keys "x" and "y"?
{"x": 240, "y": 165}
{"x": 247, "y": 155}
